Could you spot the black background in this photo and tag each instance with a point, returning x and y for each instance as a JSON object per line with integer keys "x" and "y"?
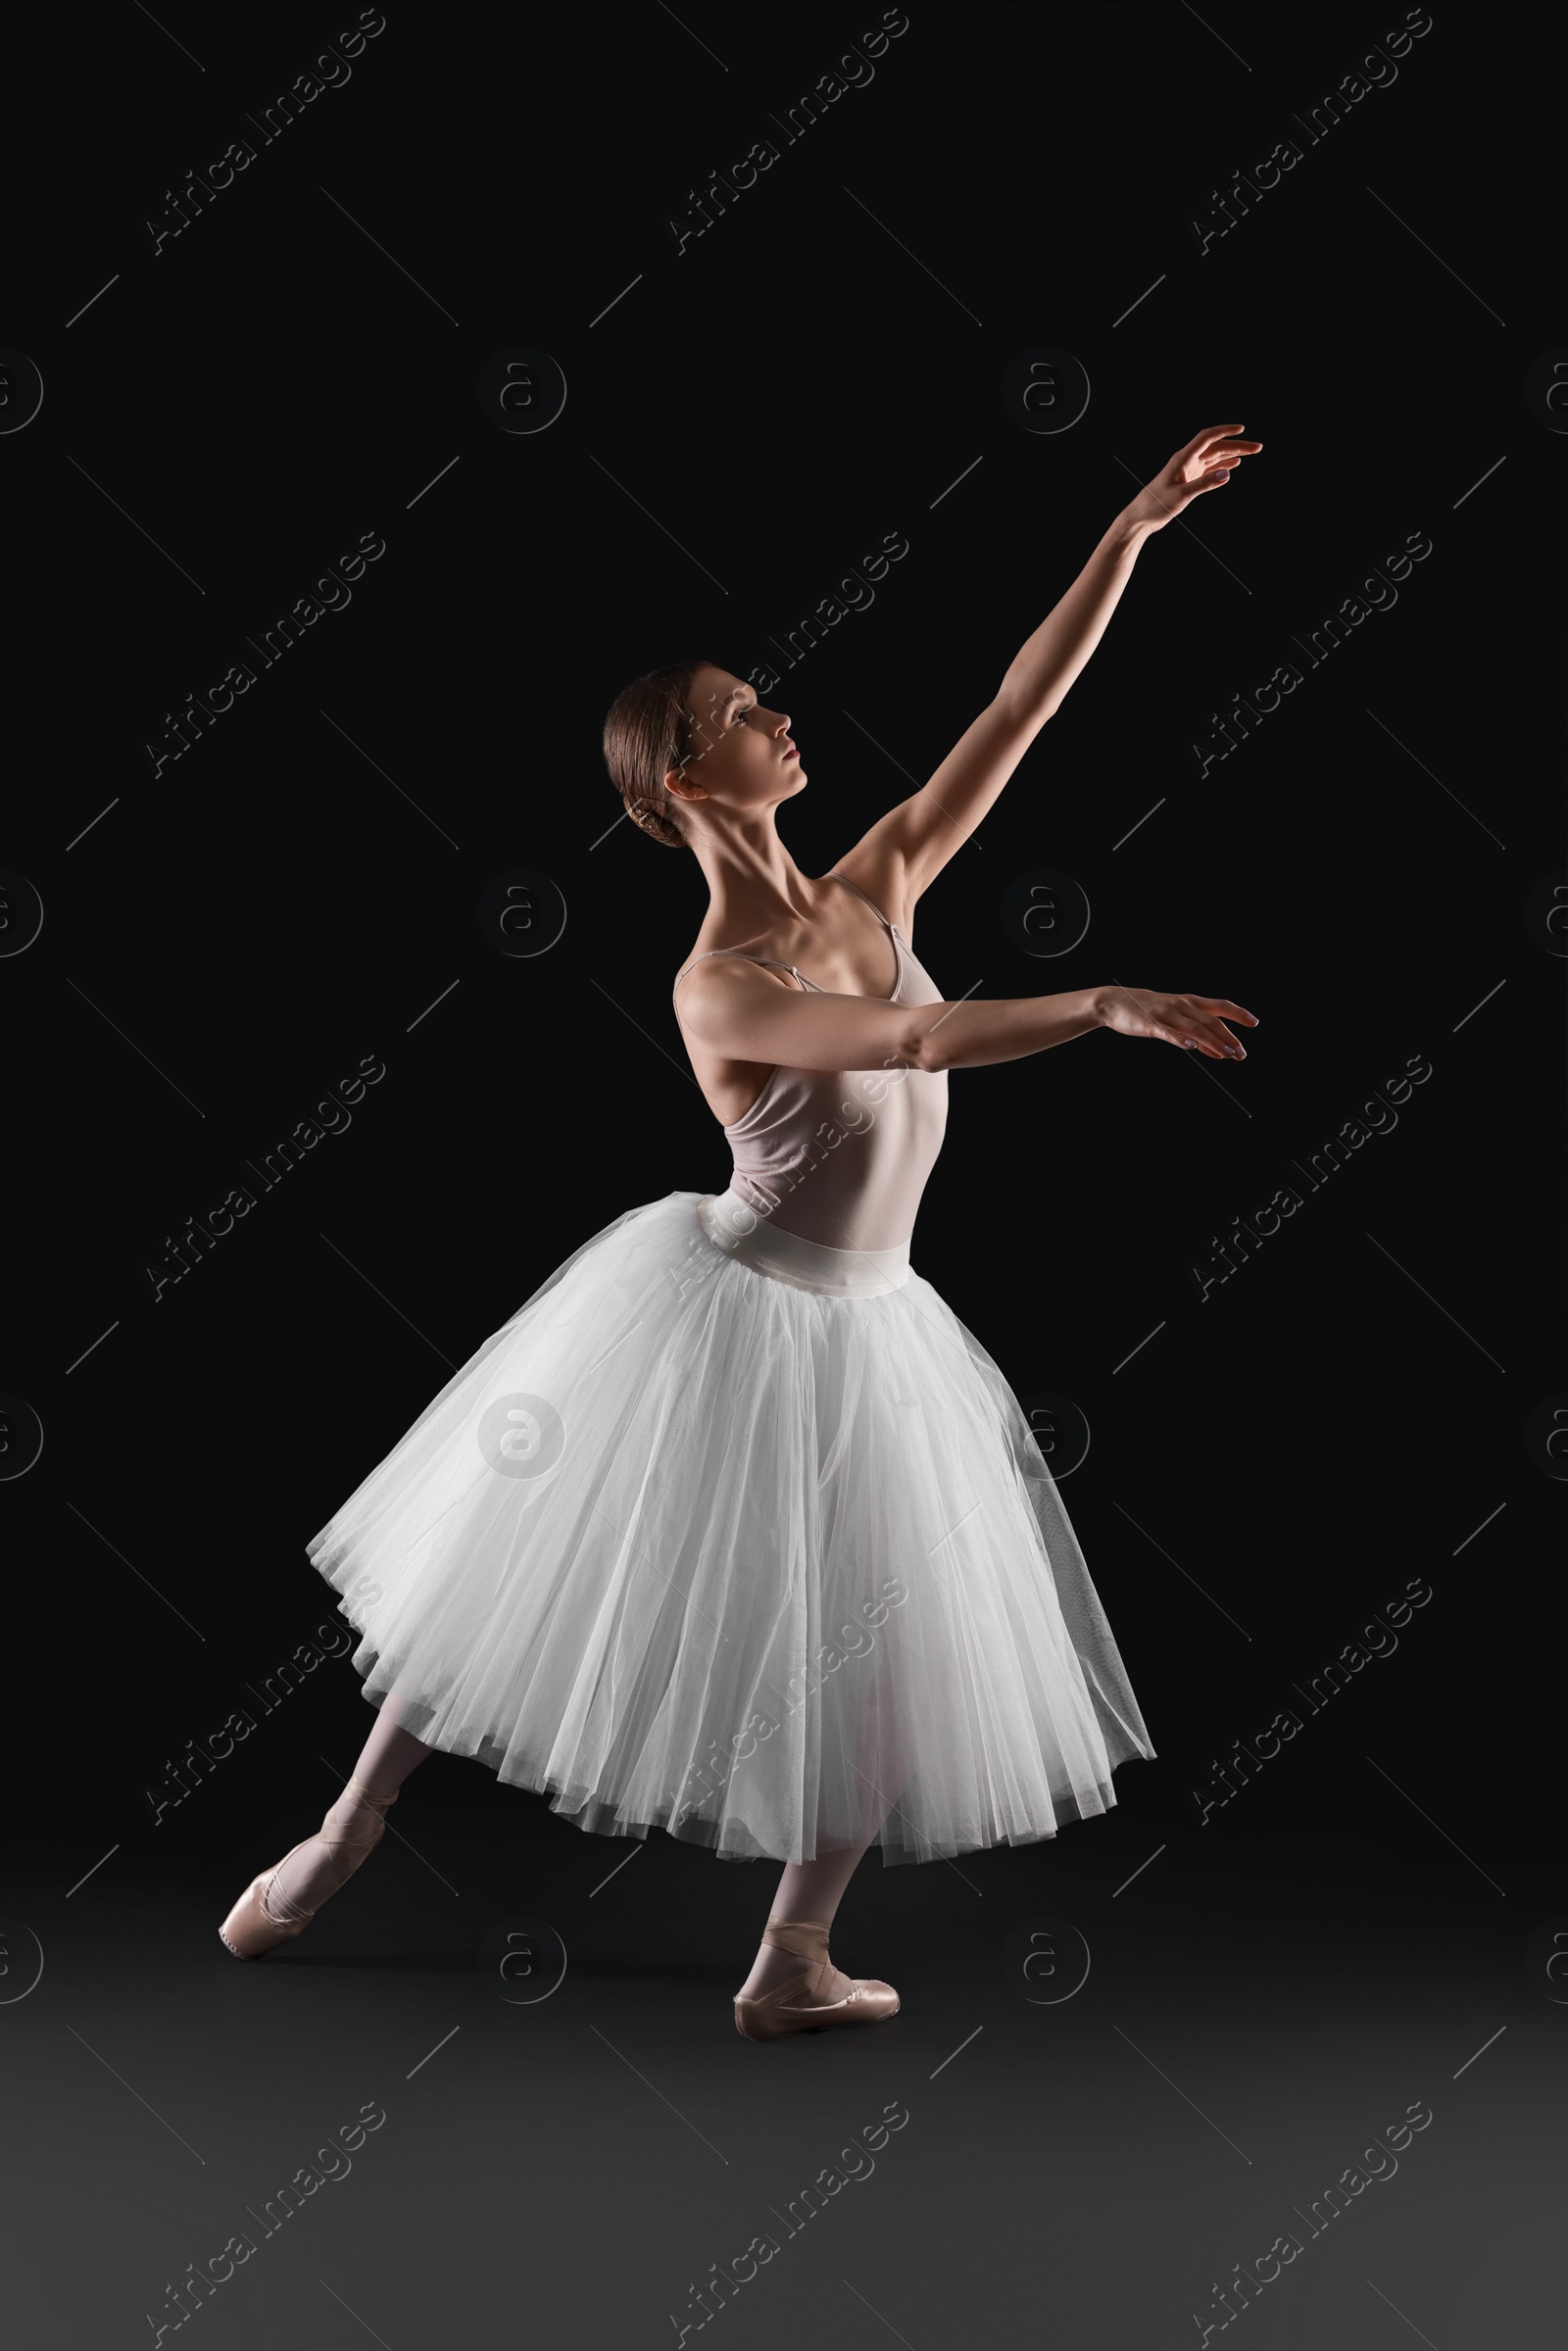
{"x": 226, "y": 937}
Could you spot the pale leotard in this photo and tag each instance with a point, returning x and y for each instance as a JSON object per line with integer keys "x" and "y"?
{"x": 841, "y": 1158}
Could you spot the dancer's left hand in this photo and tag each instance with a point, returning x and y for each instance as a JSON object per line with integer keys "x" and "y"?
{"x": 1203, "y": 464}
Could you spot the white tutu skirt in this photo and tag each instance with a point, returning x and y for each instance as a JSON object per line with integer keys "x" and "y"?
{"x": 695, "y": 1546}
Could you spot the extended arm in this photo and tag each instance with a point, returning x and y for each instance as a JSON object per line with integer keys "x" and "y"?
{"x": 905, "y": 851}
{"x": 741, "y": 1011}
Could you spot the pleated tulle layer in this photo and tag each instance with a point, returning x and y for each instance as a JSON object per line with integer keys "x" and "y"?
{"x": 686, "y": 1546}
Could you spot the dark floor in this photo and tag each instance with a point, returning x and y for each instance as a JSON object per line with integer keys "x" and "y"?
{"x": 1257, "y": 2016}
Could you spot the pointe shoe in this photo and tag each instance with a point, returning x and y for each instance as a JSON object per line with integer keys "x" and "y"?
{"x": 793, "y": 2006}
{"x": 252, "y": 1929}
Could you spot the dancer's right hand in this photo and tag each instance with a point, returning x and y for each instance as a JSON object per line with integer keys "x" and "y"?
{"x": 1191, "y": 1021}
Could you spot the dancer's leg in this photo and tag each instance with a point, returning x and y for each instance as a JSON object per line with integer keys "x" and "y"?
{"x": 390, "y": 1752}
{"x": 813, "y": 1889}
{"x": 308, "y": 1876}
{"x": 808, "y": 1889}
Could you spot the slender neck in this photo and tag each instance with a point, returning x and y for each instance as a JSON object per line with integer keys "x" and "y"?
{"x": 752, "y": 881}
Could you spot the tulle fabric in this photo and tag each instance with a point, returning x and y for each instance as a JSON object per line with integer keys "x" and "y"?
{"x": 687, "y": 1546}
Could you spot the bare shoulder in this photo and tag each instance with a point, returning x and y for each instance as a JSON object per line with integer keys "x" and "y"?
{"x": 717, "y": 972}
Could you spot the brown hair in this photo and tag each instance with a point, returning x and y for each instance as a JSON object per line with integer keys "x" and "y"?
{"x": 647, "y": 732}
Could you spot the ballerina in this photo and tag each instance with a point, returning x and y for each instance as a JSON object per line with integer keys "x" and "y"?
{"x": 734, "y": 1530}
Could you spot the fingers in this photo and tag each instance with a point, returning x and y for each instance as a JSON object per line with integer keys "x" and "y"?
{"x": 1192, "y": 1040}
{"x": 1221, "y": 464}
{"x": 1216, "y": 435}
{"x": 1212, "y": 470}
{"x": 1222, "y": 1003}
{"x": 1204, "y": 1033}
{"x": 1215, "y": 1044}
{"x": 1192, "y": 1023}
{"x": 1211, "y": 456}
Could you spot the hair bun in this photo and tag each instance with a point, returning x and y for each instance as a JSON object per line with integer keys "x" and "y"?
{"x": 656, "y": 824}
{"x": 648, "y": 732}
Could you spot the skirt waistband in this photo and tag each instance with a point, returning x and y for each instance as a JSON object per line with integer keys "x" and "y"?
{"x": 734, "y": 1227}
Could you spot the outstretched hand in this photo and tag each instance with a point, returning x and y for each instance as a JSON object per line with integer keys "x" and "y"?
{"x": 1193, "y": 1021}
{"x": 1201, "y": 465}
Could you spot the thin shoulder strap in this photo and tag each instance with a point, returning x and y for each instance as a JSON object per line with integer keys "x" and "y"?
{"x": 771, "y": 961}
{"x": 860, "y": 894}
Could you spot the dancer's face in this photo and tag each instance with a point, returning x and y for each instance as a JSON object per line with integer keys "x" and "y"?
{"x": 743, "y": 756}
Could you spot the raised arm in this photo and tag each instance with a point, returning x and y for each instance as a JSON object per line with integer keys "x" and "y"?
{"x": 747, "y": 1014}
{"x": 902, "y": 853}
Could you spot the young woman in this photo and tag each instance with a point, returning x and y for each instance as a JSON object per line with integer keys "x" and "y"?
{"x": 734, "y": 1530}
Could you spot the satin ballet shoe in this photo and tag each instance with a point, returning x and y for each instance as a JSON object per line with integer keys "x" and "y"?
{"x": 252, "y": 1929}
{"x": 793, "y": 2006}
